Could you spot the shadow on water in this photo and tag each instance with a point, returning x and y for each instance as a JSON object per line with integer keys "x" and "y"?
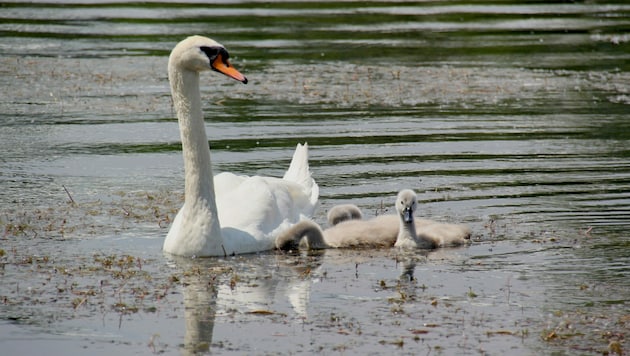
{"x": 511, "y": 117}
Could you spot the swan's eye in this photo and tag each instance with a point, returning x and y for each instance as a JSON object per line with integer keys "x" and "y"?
{"x": 211, "y": 52}
{"x": 216, "y": 53}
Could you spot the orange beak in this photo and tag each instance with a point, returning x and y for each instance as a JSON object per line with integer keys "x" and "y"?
{"x": 224, "y": 66}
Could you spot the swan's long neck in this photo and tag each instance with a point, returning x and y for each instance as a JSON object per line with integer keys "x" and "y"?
{"x": 407, "y": 234}
{"x": 199, "y": 185}
{"x": 187, "y": 101}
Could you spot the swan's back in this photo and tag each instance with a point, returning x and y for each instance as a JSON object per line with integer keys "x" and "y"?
{"x": 265, "y": 206}
{"x": 361, "y": 233}
{"x": 343, "y": 212}
{"x": 444, "y": 235}
{"x": 259, "y": 203}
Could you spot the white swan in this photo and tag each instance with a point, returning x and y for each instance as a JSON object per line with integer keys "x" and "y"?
{"x": 247, "y": 212}
{"x": 400, "y": 230}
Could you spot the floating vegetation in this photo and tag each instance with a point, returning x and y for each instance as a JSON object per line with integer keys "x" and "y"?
{"x": 75, "y": 218}
{"x": 572, "y": 328}
{"x": 262, "y": 312}
{"x": 99, "y": 282}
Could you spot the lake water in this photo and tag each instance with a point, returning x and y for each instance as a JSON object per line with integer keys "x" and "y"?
{"x": 511, "y": 117}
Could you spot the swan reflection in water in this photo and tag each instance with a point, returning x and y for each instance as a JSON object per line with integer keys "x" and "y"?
{"x": 252, "y": 284}
{"x": 224, "y": 291}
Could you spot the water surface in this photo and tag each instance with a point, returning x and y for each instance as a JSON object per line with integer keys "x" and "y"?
{"x": 511, "y": 117}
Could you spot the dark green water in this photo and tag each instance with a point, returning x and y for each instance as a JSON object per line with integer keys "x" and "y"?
{"x": 511, "y": 117}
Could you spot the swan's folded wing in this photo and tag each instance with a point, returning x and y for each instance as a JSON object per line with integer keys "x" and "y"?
{"x": 259, "y": 205}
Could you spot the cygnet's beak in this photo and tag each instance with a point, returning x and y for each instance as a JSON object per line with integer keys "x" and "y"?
{"x": 223, "y": 66}
{"x": 407, "y": 215}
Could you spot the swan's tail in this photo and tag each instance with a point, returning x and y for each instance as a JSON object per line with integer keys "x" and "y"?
{"x": 300, "y": 173}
